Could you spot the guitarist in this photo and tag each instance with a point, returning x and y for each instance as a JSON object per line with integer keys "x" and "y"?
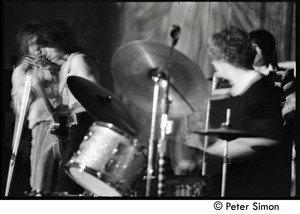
{"x": 58, "y": 45}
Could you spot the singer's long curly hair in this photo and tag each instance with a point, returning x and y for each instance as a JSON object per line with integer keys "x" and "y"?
{"x": 232, "y": 45}
{"x": 25, "y": 33}
{"x": 49, "y": 33}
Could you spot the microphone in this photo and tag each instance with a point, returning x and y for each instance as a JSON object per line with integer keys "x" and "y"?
{"x": 175, "y": 34}
{"x": 27, "y": 62}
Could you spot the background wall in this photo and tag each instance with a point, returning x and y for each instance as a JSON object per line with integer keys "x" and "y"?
{"x": 102, "y": 28}
{"x": 199, "y": 20}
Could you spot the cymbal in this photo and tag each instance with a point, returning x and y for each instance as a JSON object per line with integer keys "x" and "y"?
{"x": 135, "y": 63}
{"x": 226, "y": 133}
{"x": 246, "y": 145}
{"x": 101, "y": 103}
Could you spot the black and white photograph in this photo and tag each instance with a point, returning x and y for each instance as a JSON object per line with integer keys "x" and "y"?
{"x": 149, "y": 100}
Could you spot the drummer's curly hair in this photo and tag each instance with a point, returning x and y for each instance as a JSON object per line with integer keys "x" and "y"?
{"x": 232, "y": 45}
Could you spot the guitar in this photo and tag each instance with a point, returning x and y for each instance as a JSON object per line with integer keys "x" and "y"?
{"x": 61, "y": 121}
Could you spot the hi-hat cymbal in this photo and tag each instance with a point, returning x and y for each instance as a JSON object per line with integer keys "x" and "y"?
{"x": 134, "y": 64}
{"x": 226, "y": 133}
{"x": 242, "y": 144}
{"x": 101, "y": 103}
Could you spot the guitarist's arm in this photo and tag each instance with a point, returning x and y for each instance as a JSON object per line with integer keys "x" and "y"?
{"x": 56, "y": 127}
{"x": 40, "y": 90}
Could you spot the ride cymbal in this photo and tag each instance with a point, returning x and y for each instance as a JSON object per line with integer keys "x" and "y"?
{"x": 134, "y": 65}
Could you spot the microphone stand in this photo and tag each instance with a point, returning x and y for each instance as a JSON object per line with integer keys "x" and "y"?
{"x": 18, "y": 133}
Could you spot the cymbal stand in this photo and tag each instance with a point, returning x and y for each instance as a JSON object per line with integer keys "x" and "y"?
{"x": 225, "y": 156}
{"x": 18, "y": 133}
{"x": 149, "y": 177}
{"x": 206, "y": 128}
{"x": 205, "y": 139}
{"x": 161, "y": 147}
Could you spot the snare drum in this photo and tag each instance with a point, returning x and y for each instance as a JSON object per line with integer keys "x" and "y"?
{"x": 108, "y": 161}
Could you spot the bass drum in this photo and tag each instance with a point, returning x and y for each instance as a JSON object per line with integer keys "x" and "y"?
{"x": 108, "y": 161}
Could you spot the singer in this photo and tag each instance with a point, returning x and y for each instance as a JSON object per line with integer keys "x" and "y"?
{"x": 50, "y": 54}
{"x": 39, "y": 119}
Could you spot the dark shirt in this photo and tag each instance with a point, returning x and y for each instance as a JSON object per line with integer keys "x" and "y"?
{"x": 257, "y": 111}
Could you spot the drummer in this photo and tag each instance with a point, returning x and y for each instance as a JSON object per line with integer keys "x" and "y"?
{"x": 258, "y": 167}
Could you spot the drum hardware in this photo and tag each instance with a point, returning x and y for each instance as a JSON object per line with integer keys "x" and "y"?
{"x": 225, "y": 157}
{"x": 187, "y": 186}
{"x": 223, "y": 134}
{"x": 204, "y": 164}
{"x": 227, "y": 134}
{"x": 158, "y": 75}
{"x": 138, "y": 64}
{"x": 38, "y": 193}
{"x": 161, "y": 147}
{"x": 152, "y": 136}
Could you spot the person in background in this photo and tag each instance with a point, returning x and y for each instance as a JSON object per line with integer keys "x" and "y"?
{"x": 257, "y": 165}
{"x": 284, "y": 79}
{"x": 267, "y": 64}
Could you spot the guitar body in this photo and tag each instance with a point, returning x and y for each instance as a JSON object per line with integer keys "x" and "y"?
{"x": 60, "y": 127}
{"x": 61, "y": 121}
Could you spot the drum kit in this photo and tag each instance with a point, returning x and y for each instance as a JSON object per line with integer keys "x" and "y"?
{"x": 111, "y": 160}
{"x": 163, "y": 82}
